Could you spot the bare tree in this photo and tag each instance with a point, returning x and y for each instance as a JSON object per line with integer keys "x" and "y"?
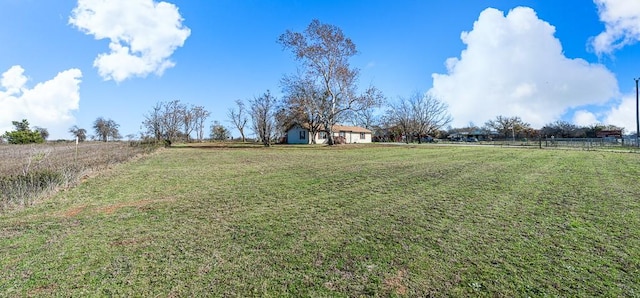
{"x": 263, "y": 118}
{"x": 44, "y": 133}
{"x": 79, "y": 133}
{"x": 200, "y": 115}
{"x": 324, "y": 52}
{"x": 173, "y": 120}
{"x": 367, "y": 118}
{"x": 105, "y": 129}
{"x": 187, "y": 122}
{"x": 300, "y": 104}
{"x": 239, "y": 117}
{"x": 153, "y": 122}
{"x": 400, "y": 114}
{"x": 430, "y": 114}
{"x": 419, "y": 115}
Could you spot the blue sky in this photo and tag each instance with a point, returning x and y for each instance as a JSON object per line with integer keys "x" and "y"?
{"x": 65, "y": 63}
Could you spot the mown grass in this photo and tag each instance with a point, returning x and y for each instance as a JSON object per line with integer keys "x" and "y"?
{"x": 344, "y": 221}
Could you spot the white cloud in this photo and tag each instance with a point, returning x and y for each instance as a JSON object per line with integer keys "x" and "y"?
{"x": 622, "y": 25}
{"x": 514, "y": 66}
{"x": 623, "y": 115}
{"x": 585, "y": 118}
{"x": 48, "y": 104}
{"x": 143, "y": 35}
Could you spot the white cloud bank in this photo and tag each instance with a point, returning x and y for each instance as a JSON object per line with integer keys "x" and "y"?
{"x": 514, "y": 66}
{"x": 48, "y": 104}
{"x": 143, "y": 35}
{"x": 622, "y": 25}
{"x": 623, "y": 115}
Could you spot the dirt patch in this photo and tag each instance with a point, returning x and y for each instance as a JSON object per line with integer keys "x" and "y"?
{"x": 396, "y": 283}
{"x": 73, "y": 211}
{"x": 43, "y": 290}
{"x": 133, "y": 241}
{"x": 139, "y": 204}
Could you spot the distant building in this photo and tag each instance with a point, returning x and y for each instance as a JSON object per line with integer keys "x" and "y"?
{"x": 609, "y": 134}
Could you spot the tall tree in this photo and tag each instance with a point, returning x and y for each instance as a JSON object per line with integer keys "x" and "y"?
{"x": 153, "y": 122}
{"x": 106, "y": 128}
{"x": 172, "y": 119}
{"x": 200, "y": 115}
{"x": 400, "y": 114}
{"x": 79, "y": 133}
{"x": 324, "y": 52}
{"x": 429, "y": 113}
{"x": 419, "y": 115}
{"x": 238, "y": 116}
{"x": 188, "y": 122}
{"x": 263, "y": 118}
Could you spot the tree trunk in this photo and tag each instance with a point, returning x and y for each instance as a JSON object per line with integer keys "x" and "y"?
{"x": 330, "y": 140}
{"x": 312, "y": 136}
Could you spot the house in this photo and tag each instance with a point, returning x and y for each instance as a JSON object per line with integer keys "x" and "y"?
{"x": 299, "y": 134}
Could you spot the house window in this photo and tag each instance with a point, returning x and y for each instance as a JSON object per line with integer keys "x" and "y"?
{"x": 362, "y": 137}
{"x": 322, "y": 135}
{"x": 303, "y": 134}
{"x": 342, "y": 134}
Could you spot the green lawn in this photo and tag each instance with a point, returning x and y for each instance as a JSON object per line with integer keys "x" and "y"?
{"x": 344, "y": 221}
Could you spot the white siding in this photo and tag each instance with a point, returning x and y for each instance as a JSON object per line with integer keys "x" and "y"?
{"x": 293, "y": 135}
{"x": 354, "y": 137}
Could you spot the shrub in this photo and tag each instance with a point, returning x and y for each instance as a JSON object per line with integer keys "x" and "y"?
{"x": 20, "y": 189}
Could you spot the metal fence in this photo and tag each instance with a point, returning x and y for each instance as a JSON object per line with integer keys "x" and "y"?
{"x": 576, "y": 143}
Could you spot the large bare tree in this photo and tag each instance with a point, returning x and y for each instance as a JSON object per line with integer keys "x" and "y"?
{"x": 400, "y": 115}
{"x": 153, "y": 122}
{"x": 200, "y": 115}
{"x": 172, "y": 119}
{"x": 263, "y": 117}
{"x": 324, "y": 52}
{"x": 430, "y": 114}
{"x": 238, "y": 116}
{"x": 418, "y": 115}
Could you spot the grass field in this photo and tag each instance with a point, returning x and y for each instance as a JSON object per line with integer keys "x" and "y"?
{"x": 344, "y": 221}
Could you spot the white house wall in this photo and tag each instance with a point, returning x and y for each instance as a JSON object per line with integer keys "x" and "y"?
{"x": 293, "y": 136}
{"x": 354, "y": 137}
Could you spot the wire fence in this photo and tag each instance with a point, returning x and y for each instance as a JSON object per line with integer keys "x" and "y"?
{"x": 570, "y": 143}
